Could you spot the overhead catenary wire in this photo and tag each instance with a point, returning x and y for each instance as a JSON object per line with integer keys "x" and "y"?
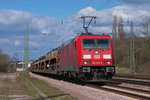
{"x": 100, "y": 7}
{"x": 107, "y": 2}
{"x": 140, "y": 16}
{"x": 95, "y": 11}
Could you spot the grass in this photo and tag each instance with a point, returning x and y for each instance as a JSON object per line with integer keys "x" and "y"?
{"x": 4, "y": 92}
{"x": 52, "y": 92}
{"x": 123, "y": 70}
{"x": 139, "y": 71}
{"x": 29, "y": 90}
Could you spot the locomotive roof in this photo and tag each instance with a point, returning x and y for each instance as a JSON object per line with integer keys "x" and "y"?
{"x": 87, "y": 34}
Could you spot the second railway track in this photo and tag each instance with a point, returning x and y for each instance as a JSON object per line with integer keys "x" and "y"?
{"x": 132, "y": 76}
{"x": 126, "y": 91}
{"x": 131, "y": 81}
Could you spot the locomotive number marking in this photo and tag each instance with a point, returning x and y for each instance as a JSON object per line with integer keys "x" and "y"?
{"x": 95, "y": 63}
{"x": 96, "y": 56}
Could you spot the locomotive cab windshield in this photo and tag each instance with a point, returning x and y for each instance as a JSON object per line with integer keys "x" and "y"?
{"x": 96, "y": 43}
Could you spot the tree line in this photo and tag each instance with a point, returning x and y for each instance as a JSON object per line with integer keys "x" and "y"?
{"x": 122, "y": 45}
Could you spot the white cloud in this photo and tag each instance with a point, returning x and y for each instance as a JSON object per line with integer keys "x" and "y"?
{"x": 4, "y": 40}
{"x": 127, "y": 12}
{"x": 86, "y": 11}
{"x": 34, "y": 44}
{"x": 16, "y": 21}
{"x": 17, "y": 43}
{"x": 13, "y": 24}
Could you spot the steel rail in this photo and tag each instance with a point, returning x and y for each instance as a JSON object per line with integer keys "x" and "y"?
{"x": 132, "y": 95}
{"x": 129, "y": 89}
{"x": 146, "y": 77}
{"x": 117, "y": 89}
{"x": 132, "y": 81}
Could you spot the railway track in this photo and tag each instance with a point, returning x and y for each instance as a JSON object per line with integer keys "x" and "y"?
{"x": 131, "y": 81}
{"x": 126, "y": 91}
{"x": 114, "y": 87}
{"x": 143, "y": 77}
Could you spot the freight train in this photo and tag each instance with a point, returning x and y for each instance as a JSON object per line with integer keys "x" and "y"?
{"x": 86, "y": 57}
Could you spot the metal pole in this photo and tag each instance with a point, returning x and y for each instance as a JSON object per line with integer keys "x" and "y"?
{"x": 23, "y": 59}
{"x": 24, "y": 51}
{"x": 147, "y": 28}
{"x": 132, "y": 55}
{"x": 26, "y": 48}
{"x": 131, "y": 31}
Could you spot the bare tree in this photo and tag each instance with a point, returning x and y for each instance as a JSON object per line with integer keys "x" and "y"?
{"x": 114, "y": 33}
{"x": 145, "y": 26}
{"x": 120, "y": 29}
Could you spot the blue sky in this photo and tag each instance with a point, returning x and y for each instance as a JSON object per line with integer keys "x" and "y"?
{"x": 45, "y": 16}
{"x": 55, "y": 8}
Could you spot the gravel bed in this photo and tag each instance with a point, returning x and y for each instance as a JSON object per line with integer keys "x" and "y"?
{"x": 81, "y": 92}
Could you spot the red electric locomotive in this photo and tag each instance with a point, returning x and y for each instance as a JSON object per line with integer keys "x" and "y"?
{"x": 88, "y": 57}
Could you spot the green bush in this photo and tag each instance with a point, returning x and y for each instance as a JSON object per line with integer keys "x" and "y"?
{"x": 4, "y": 62}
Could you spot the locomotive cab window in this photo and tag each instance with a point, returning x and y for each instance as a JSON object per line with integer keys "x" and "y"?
{"x": 89, "y": 43}
{"x": 95, "y": 43}
{"x": 103, "y": 43}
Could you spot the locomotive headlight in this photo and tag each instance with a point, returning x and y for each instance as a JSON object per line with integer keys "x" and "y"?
{"x": 86, "y": 56}
{"x": 107, "y": 56}
{"x": 108, "y": 62}
{"x": 86, "y": 62}
{"x": 96, "y": 52}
